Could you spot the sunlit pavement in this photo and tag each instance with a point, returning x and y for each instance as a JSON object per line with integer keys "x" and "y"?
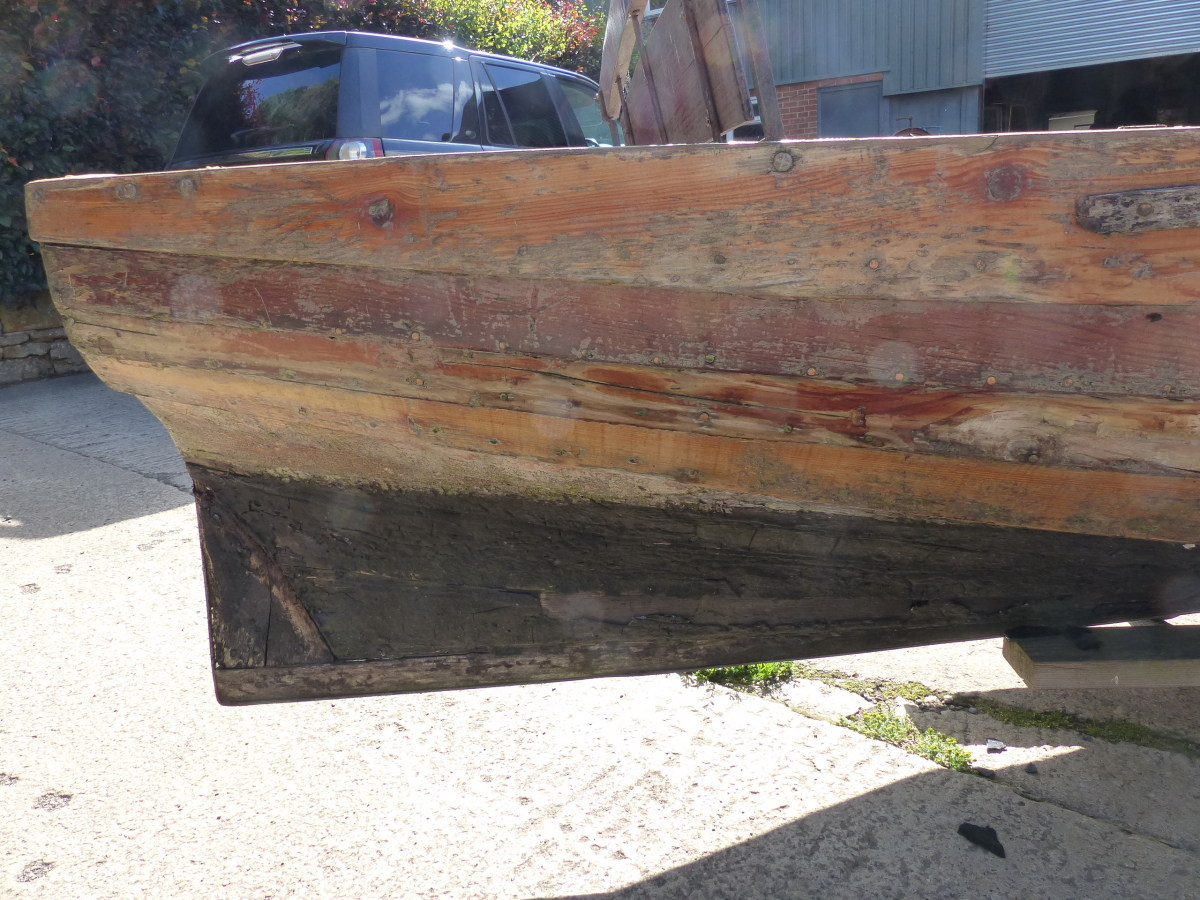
{"x": 124, "y": 778}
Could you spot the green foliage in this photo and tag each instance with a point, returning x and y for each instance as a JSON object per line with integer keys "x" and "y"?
{"x": 104, "y": 86}
{"x": 882, "y": 725}
{"x": 1112, "y": 730}
{"x": 756, "y": 675}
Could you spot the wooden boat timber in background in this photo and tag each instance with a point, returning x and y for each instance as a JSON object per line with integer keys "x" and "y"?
{"x": 539, "y": 415}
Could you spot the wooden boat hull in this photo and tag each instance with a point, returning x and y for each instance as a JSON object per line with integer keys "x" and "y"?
{"x": 534, "y": 416}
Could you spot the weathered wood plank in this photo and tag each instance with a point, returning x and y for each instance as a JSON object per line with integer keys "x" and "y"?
{"x": 1149, "y": 351}
{"x": 357, "y": 437}
{"x": 1107, "y": 657}
{"x": 987, "y": 218}
{"x": 703, "y": 92}
{"x": 454, "y": 591}
{"x": 1128, "y": 435}
{"x": 619, "y": 40}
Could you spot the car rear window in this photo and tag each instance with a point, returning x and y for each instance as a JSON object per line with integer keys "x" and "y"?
{"x": 416, "y": 96}
{"x": 583, "y": 101}
{"x": 290, "y": 100}
{"x": 531, "y": 120}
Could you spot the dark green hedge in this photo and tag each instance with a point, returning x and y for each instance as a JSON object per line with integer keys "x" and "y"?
{"x": 105, "y": 86}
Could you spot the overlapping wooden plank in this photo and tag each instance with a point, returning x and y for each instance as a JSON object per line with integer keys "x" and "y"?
{"x": 220, "y": 418}
{"x": 965, "y": 218}
{"x": 1156, "y": 437}
{"x": 425, "y": 590}
{"x": 1148, "y": 351}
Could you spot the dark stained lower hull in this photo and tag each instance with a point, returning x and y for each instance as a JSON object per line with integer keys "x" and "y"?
{"x": 321, "y": 591}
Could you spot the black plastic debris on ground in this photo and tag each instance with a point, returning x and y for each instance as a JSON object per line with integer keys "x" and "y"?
{"x": 982, "y": 836}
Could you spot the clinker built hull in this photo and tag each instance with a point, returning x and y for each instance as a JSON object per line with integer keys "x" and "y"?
{"x": 468, "y": 420}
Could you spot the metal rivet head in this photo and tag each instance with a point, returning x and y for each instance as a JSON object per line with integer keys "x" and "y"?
{"x": 186, "y": 187}
{"x": 656, "y": 360}
{"x": 899, "y": 376}
{"x": 811, "y": 371}
{"x": 991, "y": 379}
{"x": 704, "y": 417}
{"x": 1167, "y": 388}
{"x": 874, "y": 264}
{"x": 420, "y": 382}
{"x": 1144, "y": 209}
{"x": 787, "y": 429}
{"x": 503, "y": 346}
{"x": 710, "y": 357}
{"x": 1068, "y": 382}
{"x": 127, "y": 191}
{"x": 416, "y": 335}
{"x": 782, "y": 161}
{"x": 719, "y": 259}
{"x": 1033, "y": 457}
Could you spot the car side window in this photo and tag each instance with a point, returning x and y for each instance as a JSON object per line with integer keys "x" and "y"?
{"x": 495, "y": 120}
{"x": 594, "y": 130}
{"x": 531, "y": 118}
{"x": 416, "y": 96}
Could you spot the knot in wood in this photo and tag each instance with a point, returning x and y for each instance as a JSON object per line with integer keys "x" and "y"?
{"x": 380, "y": 212}
{"x": 1005, "y": 183}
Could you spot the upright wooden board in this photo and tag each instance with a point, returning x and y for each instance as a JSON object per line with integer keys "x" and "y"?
{"x": 689, "y": 75}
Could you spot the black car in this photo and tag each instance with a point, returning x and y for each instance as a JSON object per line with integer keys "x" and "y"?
{"x": 350, "y": 95}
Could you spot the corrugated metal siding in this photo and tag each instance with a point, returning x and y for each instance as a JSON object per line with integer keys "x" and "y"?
{"x": 933, "y": 44}
{"x": 1040, "y": 35}
{"x": 920, "y": 45}
{"x": 814, "y": 39}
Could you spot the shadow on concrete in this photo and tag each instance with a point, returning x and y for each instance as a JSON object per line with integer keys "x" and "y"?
{"x": 77, "y": 455}
{"x": 901, "y": 841}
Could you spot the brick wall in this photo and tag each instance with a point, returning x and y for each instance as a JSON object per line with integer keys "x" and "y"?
{"x": 798, "y": 103}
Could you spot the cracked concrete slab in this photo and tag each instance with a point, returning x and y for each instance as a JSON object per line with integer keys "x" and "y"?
{"x": 122, "y": 777}
{"x": 978, "y": 667}
{"x": 1149, "y": 792}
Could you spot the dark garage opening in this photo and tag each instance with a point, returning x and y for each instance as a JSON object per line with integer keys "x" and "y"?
{"x": 1160, "y": 91}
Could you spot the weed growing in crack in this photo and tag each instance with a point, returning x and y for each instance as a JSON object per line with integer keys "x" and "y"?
{"x": 1112, "y": 730}
{"x": 882, "y": 725}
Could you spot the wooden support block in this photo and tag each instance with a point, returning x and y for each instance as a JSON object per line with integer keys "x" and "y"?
{"x": 1106, "y": 657}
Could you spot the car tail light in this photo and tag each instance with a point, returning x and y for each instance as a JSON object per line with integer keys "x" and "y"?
{"x": 355, "y": 148}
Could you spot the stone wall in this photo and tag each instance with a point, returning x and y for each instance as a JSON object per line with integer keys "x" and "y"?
{"x": 33, "y": 343}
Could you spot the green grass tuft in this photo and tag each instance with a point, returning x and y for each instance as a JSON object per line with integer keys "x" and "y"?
{"x": 882, "y": 725}
{"x": 755, "y": 675}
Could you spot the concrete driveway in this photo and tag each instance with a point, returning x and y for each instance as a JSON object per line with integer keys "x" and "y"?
{"x": 122, "y": 777}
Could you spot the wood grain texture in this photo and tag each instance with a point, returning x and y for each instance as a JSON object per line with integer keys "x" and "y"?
{"x": 1108, "y": 658}
{"x": 1126, "y": 435}
{"x": 509, "y": 589}
{"x": 354, "y": 436}
{"x": 1119, "y": 350}
{"x": 987, "y": 218}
